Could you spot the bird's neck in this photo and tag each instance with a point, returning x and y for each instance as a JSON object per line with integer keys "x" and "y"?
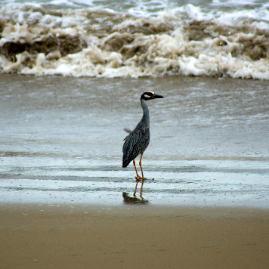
{"x": 145, "y": 117}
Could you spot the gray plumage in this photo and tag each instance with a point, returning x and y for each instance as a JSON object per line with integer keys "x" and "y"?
{"x": 135, "y": 143}
{"x": 138, "y": 140}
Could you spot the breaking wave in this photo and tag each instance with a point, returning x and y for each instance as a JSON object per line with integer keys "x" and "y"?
{"x": 101, "y": 42}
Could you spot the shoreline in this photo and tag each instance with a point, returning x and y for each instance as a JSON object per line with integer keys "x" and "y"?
{"x": 145, "y": 236}
{"x": 144, "y": 208}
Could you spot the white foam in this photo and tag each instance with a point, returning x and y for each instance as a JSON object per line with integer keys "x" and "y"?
{"x": 154, "y": 44}
{"x": 66, "y": 3}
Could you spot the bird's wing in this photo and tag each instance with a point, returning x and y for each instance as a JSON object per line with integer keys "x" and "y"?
{"x": 135, "y": 143}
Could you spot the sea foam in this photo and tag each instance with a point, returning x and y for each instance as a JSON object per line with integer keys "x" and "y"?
{"x": 100, "y": 42}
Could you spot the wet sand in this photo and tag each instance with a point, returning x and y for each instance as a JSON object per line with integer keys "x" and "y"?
{"x": 138, "y": 236}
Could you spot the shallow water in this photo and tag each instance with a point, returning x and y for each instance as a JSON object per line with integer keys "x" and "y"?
{"x": 61, "y": 140}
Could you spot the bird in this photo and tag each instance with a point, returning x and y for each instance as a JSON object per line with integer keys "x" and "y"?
{"x": 138, "y": 140}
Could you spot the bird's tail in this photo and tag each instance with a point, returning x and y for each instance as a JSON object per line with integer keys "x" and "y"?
{"x": 125, "y": 163}
{"x": 127, "y": 130}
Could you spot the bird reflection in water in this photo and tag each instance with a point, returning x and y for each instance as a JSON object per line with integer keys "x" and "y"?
{"x": 133, "y": 200}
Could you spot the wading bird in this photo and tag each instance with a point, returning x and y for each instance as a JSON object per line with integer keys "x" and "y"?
{"x": 138, "y": 139}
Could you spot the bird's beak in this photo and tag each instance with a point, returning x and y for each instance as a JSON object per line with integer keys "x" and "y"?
{"x": 158, "y": 96}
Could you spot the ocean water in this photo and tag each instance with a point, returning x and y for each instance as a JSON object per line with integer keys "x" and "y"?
{"x": 61, "y": 140}
{"x": 135, "y": 38}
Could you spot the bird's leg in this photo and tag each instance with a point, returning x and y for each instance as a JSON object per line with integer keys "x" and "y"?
{"x": 138, "y": 178}
{"x": 140, "y": 164}
{"x": 143, "y": 179}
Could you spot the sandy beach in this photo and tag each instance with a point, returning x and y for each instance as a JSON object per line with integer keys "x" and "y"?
{"x": 138, "y": 236}
{"x": 71, "y": 78}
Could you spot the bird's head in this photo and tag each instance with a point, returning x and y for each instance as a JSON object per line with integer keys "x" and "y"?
{"x": 150, "y": 95}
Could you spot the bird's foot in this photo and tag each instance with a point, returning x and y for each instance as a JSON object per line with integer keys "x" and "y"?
{"x": 138, "y": 178}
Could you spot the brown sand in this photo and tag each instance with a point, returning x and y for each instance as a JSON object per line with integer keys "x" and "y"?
{"x": 138, "y": 236}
